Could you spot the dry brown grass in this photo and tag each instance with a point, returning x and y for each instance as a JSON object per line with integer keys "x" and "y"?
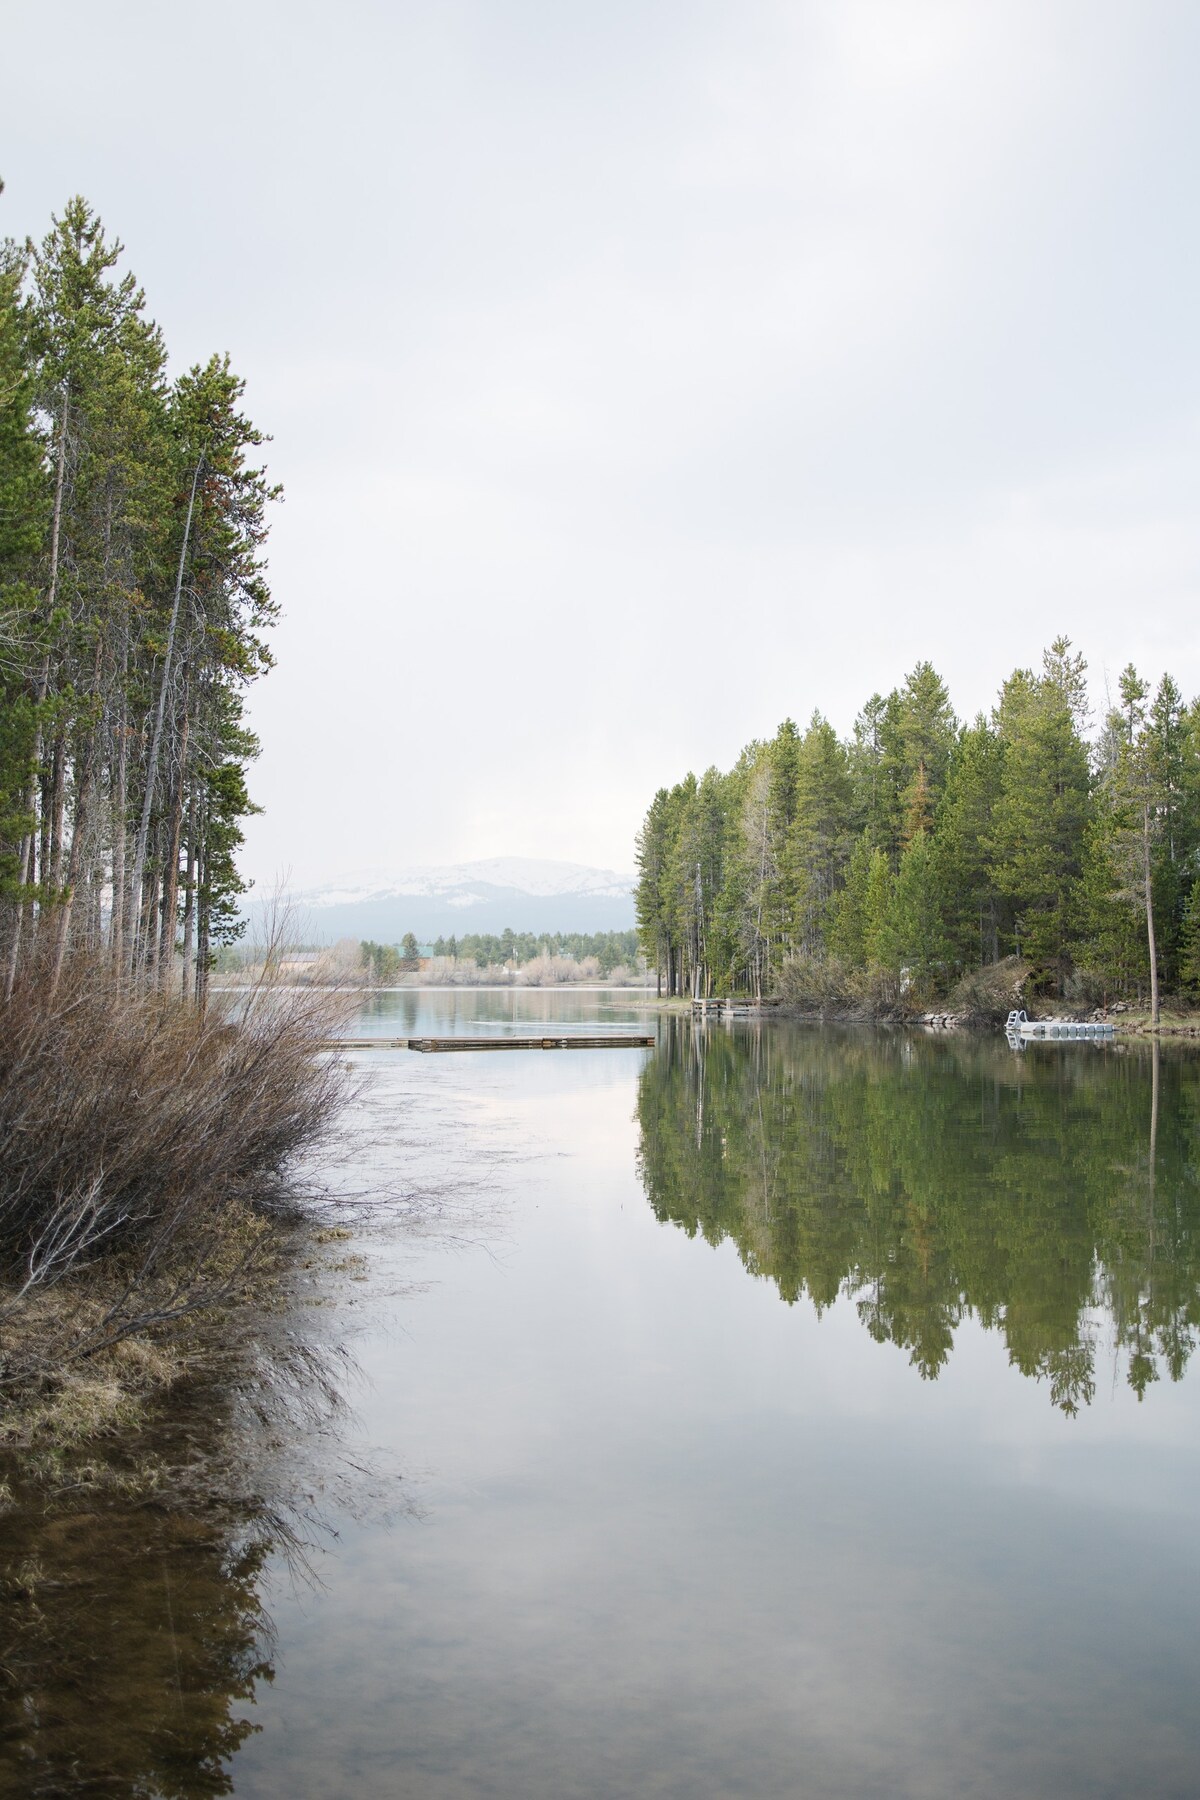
{"x": 145, "y": 1150}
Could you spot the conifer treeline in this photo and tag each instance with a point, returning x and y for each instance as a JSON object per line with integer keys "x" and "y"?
{"x": 132, "y": 605}
{"x": 922, "y": 849}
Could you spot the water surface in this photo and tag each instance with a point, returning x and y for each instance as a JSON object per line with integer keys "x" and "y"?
{"x": 782, "y": 1412}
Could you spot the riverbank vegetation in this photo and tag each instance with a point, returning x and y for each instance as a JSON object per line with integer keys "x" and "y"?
{"x": 145, "y": 1140}
{"x": 520, "y": 959}
{"x": 523, "y": 958}
{"x": 925, "y": 859}
{"x": 147, "y": 1148}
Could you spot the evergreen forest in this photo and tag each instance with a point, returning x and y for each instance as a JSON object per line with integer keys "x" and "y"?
{"x": 133, "y": 601}
{"x": 611, "y": 949}
{"x": 903, "y": 864}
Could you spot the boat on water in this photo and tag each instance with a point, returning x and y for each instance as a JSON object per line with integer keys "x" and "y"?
{"x": 1020, "y": 1028}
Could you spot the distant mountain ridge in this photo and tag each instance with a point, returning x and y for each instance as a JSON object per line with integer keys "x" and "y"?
{"x": 526, "y": 893}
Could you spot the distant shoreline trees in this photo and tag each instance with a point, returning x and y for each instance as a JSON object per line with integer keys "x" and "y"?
{"x": 610, "y": 949}
{"x": 923, "y": 849}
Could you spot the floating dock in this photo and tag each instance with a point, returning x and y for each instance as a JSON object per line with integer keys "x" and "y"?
{"x": 367, "y": 1043}
{"x": 1019, "y": 1026}
{"x": 610, "y": 1041}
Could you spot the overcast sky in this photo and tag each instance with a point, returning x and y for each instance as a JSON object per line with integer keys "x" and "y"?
{"x": 641, "y": 374}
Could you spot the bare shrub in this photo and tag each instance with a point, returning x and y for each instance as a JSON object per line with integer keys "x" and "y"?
{"x": 827, "y": 987}
{"x": 1087, "y": 989}
{"x": 462, "y": 971}
{"x": 143, "y": 1136}
{"x": 340, "y": 965}
{"x": 818, "y": 984}
{"x": 990, "y": 994}
{"x": 556, "y": 971}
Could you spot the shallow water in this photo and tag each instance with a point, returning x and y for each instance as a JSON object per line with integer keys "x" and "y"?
{"x": 781, "y": 1412}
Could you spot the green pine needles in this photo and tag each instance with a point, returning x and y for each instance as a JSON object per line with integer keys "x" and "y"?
{"x": 133, "y": 605}
{"x": 886, "y": 870}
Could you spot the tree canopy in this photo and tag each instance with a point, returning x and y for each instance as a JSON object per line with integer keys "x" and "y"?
{"x": 133, "y": 612}
{"x": 922, "y": 847}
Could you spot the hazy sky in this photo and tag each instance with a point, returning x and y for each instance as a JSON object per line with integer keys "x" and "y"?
{"x": 640, "y": 374}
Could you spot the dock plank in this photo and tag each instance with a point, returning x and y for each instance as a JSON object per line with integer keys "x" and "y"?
{"x": 609, "y": 1042}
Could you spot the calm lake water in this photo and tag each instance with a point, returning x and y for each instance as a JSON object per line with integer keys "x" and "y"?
{"x": 780, "y": 1412}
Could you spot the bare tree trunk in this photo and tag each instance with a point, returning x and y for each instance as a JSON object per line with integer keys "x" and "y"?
{"x": 119, "y": 807}
{"x": 58, "y": 809}
{"x": 43, "y": 688}
{"x": 83, "y": 782}
{"x": 22, "y": 921}
{"x": 119, "y": 802}
{"x": 1149, "y": 889}
{"x": 202, "y": 950}
{"x": 170, "y": 899}
{"x": 85, "y": 762}
{"x": 189, "y": 902}
{"x": 139, "y": 854}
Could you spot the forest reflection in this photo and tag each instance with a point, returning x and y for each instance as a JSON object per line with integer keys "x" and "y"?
{"x": 1052, "y": 1195}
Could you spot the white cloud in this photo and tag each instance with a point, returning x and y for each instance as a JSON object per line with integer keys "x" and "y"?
{"x": 641, "y": 374}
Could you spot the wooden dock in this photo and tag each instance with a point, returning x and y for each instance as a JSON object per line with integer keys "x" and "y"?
{"x": 609, "y": 1041}
{"x": 370, "y": 1043}
{"x": 731, "y": 1006}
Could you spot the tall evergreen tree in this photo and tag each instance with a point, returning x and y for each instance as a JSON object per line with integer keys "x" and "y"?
{"x": 974, "y": 911}
{"x": 133, "y": 606}
{"x": 1039, "y": 821}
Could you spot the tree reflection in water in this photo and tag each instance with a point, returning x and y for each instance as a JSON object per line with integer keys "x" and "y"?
{"x": 133, "y": 1628}
{"x": 1051, "y": 1195}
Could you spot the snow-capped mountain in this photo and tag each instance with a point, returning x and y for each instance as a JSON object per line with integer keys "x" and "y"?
{"x": 499, "y": 891}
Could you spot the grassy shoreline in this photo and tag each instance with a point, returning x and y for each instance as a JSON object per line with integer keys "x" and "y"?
{"x": 150, "y": 1195}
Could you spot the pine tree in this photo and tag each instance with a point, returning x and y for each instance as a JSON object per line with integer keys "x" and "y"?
{"x": 918, "y": 940}
{"x": 132, "y": 592}
{"x": 973, "y": 908}
{"x": 649, "y": 906}
{"x": 1039, "y": 822}
{"x": 917, "y": 734}
{"x": 1137, "y": 797}
{"x": 23, "y": 505}
{"x": 879, "y": 946}
{"x": 1189, "y": 941}
{"x": 820, "y": 839}
{"x": 846, "y": 934}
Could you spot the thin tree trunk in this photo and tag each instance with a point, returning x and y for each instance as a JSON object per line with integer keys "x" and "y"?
{"x": 170, "y": 900}
{"x": 1146, "y": 870}
{"x": 43, "y": 687}
{"x": 22, "y": 923}
{"x": 189, "y": 902}
{"x": 139, "y": 854}
{"x": 58, "y": 809}
{"x": 119, "y": 804}
{"x": 202, "y": 948}
{"x": 83, "y": 780}
{"x": 84, "y": 765}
